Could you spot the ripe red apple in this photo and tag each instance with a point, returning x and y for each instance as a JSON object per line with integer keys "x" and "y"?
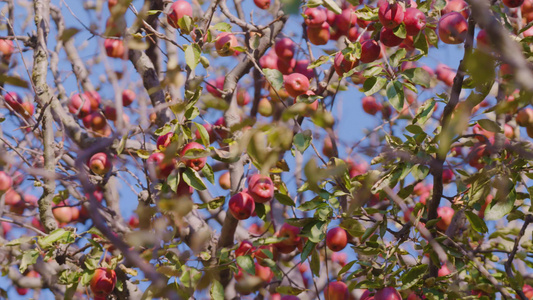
{"x": 315, "y": 16}
{"x": 224, "y": 181}
{"x": 390, "y": 15}
{"x": 286, "y": 67}
{"x": 336, "y": 239}
{"x": 414, "y": 21}
{"x": 513, "y": 3}
{"x": 444, "y": 271}
{"x": 103, "y": 282}
{"x": 287, "y": 297}
{"x": 178, "y": 10}
{"x": 225, "y": 44}
{"x": 110, "y": 113}
{"x": 285, "y": 48}
{"x": 260, "y": 254}
{"x": 459, "y": 6}
{"x": 63, "y": 214}
{"x": 261, "y": 188}
{"x": 265, "y": 107}
{"x": 184, "y": 190}
{"x": 452, "y": 28}
{"x": 245, "y": 248}
{"x": 265, "y": 273}
{"x": 220, "y": 128}
{"x": 22, "y": 291}
{"x": 14, "y": 100}
{"x": 79, "y": 104}
{"x": 446, "y": 214}
{"x": 95, "y": 120}
{"x": 114, "y": 48}
{"x": 6, "y": 47}
{"x": 343, "y": 64}
{"x": 301, "y": 67}
{"x": 447, "y": 176}
{"x": 370, "y": 105}
{"x": 345, "y": 20}
{"x": 100, "y": 163}
{"x": 353, "y": 34}
{"x": 158, "y": 167}
{"x": 445, "y": 74}
{"x": 12, "y": 197}
{"x": 164, "y": 140}
{"x": 291, "y": 241}
{"x": 243, "y": 97}
{"x": 336, "y": 290}
{"x": 388, "y": 293}
{"x": 269, "y": 61}
{"x": 194, "y": 163}
{"x": 215, "y": 85}
{"x": 133, "y": 222}
{"x": 5, "y": 182}
{"x": 370, "y": 51}
{"x": 528, "y": 291}
{"x": 525, "y": 117}
{"x": 262, "y": 4}
{"x": 296, "y": 84}
{"x": 128, "y": 96}
{"x": 6, "y": 228}
{"x": 319, "y": 35}
{"x": 327, "y": 148}
{"x": 241, "y": 206}
{"x": 388, "y": 38}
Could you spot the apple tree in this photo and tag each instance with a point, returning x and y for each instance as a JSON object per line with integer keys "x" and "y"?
{"x": 320, "y": 149}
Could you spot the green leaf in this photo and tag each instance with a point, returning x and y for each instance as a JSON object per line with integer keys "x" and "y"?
{"x": 421, "y": 43}
{"x": 122, "y": 144}
{"x": 289, "y": 290}
{"x": 173, "y": 180}
{"x": 319, "y": 61}
{"x": 193, "y": 179}
{"x": 190, "y": 277}
{"x": 424, "y": 112}
{"x": 246, "y": 263}
{"x": 275, "y": 78}
{"x": 208, "y": 173}
{"x": 302, "y": 140}
{"x": 204, "y": 135}
{"x": 333, "y": 6}
{"x": 28, "y": 258}
{"x": 192, "y": 55}
{"x": 346, "y": 267}
{"x": 56, "y": 235}
{"x": 477, "y": 223}
{"x": 395, "y": 94}
{"x": 19, "y": 241}
{"x": 216, "y": 291}
{"x": 315, "y": 263}
{"x": 418, "y": 76}
{"x": 499, "y": 210}
{"x": 400, "y": 32}
{"x": 214, "y": 204}
{"x": 314, "y": 3}
{"x": 222, "y": 26}
{"x": 373, "y": 84}
{"x": 397, "y": 56}
{"x": 284, "y": 199}
{"x": 489, "y": 125}
{"x": 413, "y": 275}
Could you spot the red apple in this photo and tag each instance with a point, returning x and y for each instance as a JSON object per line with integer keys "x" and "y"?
{"x": 265, "y": 273}
{"x": 133, "y": 222}
{"x": 296, "y": 84}
{"x": 391, "y": 15}
{"x": 513, "y": 3}
{"x": 301, "y": 67}
{"x": 243, "y": 97}
{"x": 241, "y": 206}
{"x": 445, "y": 74}
{"x": 194, "y": 163}
{"x": 110, "y": 113}
{"x": 370, "y": 51}
{"x": 388, "y": 38}
{"x": 5, "y": 182}
{"x": 6, "y": 47}
{"x": 285, "y": 48}
{"x": 159, "y": 168}
{"x": 370, "y": 105}
{"x": 184, "y": 190}
{"x": 525, "y": 117}
{"x": 388, "y": 293}
{"x": 21, "y": 291}
{"x": 79, "y": 104}
{"x": 452, "y": 28}
{"x": 164, "y": 140}
{"x": 225, "y": 44}
{"x": 216, "y": 86}
{"x": 6, "y": 228}
{"x": 100, "y": 163}
{"x": 262, "y": 4}
{"x": 343, "y": 64}
{"x": 245, "y": 248}
{"x": 447, "y": 176}
{"x": 336, "y": 290}
{"x": 315, "y": 16}
{"x": 291, "y": 241}
{"x": 114, "y": 48}
{"x": 528, "y": 291}
{"x": 446, "y": 214}
{"x": 219, "y": 128}
{"x": 414, "y": 21}
{"x": 261, "y": 188}
{"x": 103, "y": 282}
{"x": 12, "y": 197}
{"x": 319, "y": 35}
{"x": 336, "y": 239}
{"x": 63, "y": 214}
{"x": 95, "y": 120}
{"x": 459, "y": 6}
{"x": 287, "y": 297}
{"x": 14, "y": 100}
{"x": 178, "y": 10}
{"x": 346, "y": 20}
{"x": 444, "y": 271}
{"x": 269, "y": 61}
{"x": 128, "y": 96}
{"x": 260, "y": 254}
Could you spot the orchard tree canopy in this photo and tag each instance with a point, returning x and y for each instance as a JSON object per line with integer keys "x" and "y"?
{"x": 322, "y": 149}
